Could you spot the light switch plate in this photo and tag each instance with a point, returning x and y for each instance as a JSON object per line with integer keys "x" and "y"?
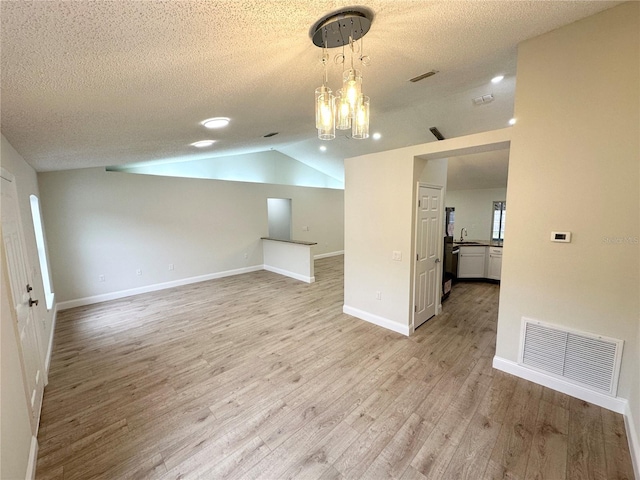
{"x": 562, "y": 237}
{"x": 397, "y": 255}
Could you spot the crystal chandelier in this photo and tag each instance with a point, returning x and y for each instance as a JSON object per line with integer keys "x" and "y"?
{"x": 349, "y": 107}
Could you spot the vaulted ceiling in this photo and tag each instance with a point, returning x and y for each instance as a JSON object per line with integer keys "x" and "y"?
{"x": 117, "y": 82}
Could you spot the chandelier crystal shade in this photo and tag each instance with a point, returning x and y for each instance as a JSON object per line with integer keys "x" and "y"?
{"x": 325, "y": 111}
{"x": 349, "y": 108}
{"x": 360, "y": 128}
{"x": 343, "y": 112}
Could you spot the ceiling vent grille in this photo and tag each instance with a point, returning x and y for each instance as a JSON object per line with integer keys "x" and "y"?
{"x": 423, "y": 76}
{"x": 591, "y": 361}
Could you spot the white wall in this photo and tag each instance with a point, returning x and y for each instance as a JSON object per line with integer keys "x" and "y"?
{"x": 112, "y": 224}
{"x": 15, "y": 426}
{"x": 574, "y": 165}
{"x": 260, "y": 167}
{"x": 474, "y": 210}
{"x": 294, "y": 260}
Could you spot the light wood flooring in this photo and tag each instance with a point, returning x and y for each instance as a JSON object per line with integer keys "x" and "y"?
{"x": 262, "y": 376}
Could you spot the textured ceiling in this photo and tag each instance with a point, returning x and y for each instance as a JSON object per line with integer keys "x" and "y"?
{"x": 99, "y": 83}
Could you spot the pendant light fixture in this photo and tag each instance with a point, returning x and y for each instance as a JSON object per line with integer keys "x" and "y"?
{"x": 325, "y": 107}
{"x": 349, "y": 109}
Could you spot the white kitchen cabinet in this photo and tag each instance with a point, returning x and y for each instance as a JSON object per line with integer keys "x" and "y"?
{"x": 471, "y": 262}
{"x": 495, "y": 263}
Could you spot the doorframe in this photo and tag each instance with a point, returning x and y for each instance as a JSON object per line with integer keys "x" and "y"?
{"x": 440, "y": 246}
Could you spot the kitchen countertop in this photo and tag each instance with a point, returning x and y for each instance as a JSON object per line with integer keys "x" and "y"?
{"x": 297, "y": 242}
{"x": 479, "y": 243}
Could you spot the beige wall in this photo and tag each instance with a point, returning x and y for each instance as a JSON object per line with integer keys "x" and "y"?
{"x": 574, "y": 165}
{"x": 474, "y": 210}
{"x": 112, "y": 224}
{"x": 378, "y": 221}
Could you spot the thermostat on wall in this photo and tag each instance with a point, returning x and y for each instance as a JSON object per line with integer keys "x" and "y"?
{"x": 564, "y": 237}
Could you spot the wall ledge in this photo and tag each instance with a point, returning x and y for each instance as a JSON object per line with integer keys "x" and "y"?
{"x": 376, "y": 320}
{"x": 615, "y": 404}
{"x": 287, "y": 273}
{"x": 80, "y": 302}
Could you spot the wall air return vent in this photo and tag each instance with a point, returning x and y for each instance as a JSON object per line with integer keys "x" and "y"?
{"x": 591, "y": 361}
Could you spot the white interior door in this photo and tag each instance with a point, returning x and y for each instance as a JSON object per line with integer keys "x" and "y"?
{"x": 26, "y": 328}
{"x": 427, "y": 254}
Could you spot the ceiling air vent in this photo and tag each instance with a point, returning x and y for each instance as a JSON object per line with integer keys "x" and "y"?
{"x": 488, "y": 98}
{"x": 272, "y": 134}
{"x": 436, "y": 133}
{"x": 423, "y": 76}
{"x": 591, "y": 361}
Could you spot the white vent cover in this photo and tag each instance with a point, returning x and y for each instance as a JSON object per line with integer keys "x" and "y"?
{"x": 589, "y": 360}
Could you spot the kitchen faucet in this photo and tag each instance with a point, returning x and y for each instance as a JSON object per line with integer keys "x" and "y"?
{"x": 463, "y": 231}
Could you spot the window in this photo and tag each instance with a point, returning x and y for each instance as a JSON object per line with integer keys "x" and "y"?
{"x": 42, "y": 252}
{"x": 499, "y": 215}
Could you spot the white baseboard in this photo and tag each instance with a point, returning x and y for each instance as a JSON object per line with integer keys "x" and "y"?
{"x": 47, "y": 363}
{"x": 633, "y": 438}
{"x": 287, "y": 273}
{"x": 33, "y": 458}
{"x": 376, "y": 320}
{"x": 330, "y": 254}
{"x": 79, "y": 302}
{"x": 615, "y": 404}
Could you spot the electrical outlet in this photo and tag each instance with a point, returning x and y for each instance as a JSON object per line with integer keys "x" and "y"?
{"x": 305, "y": 229}
{"x": 378, "y": 295}
{"x": 246, "y": 256}
{"x": 101, "y": 278}
{"x": 138, "y": 272}
{"x": 170, "y": 266}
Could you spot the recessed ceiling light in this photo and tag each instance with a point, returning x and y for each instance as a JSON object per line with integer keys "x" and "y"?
{"x": 376, "y": 136}
{"x": 203, "y": 143}
{"x": 216, "y": 122}
{"x": 512, "y": 121}
{"x": 497, "y": 79}
{"x": 323, "y": 148}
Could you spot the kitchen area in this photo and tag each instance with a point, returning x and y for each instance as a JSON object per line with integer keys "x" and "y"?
{"x": 472, "y": 259}
{"x": 475, "y": 216}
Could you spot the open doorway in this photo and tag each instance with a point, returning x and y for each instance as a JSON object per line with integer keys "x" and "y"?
{"x": 279, "y": 218}
{"x": 476, "y": 183}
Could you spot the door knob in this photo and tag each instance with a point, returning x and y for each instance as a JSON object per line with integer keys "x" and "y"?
{"x": 32, "y": 302}
{"x": 437, "y": 260}
{"x": 29, "y": 288}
